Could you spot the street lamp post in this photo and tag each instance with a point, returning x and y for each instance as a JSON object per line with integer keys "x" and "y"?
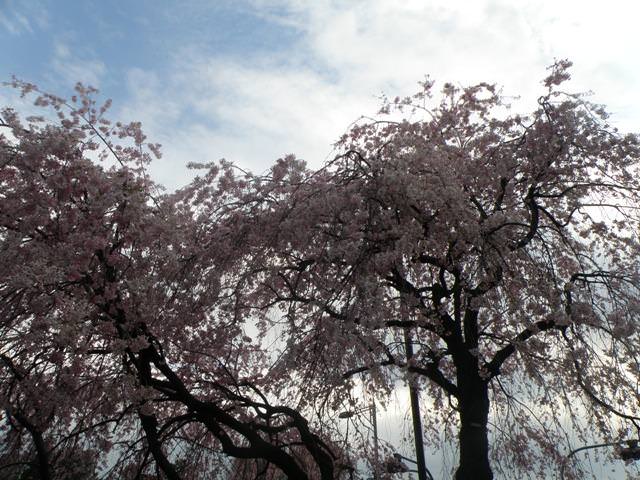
{"x": 630, "y": 452}
{"x": 376, "y": 452}
{"x": 374, "y": 423}
{"x": 396, "y": 456}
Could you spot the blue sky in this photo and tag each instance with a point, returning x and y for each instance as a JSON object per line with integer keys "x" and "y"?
{"x": 111, "y": 38}
{"x": 252, "y": 80}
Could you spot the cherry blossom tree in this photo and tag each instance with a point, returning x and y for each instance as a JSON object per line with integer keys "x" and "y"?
{"x": 504, "y": 246}
{"x": 133, "y": 324}
{"x": 120, "y": 356}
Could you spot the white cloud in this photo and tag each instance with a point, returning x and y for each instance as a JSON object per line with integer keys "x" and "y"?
{"x": 22, "y": 17}
{"x": 381, "y": 44}
{"x": 71, "y": 67}
{"x": 15, "y": 24}
{"x": 250, "y": 114}
{"x": 295, "y": 107}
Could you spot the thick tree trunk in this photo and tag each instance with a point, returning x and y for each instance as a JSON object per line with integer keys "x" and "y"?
{"x": 473, "y": 435}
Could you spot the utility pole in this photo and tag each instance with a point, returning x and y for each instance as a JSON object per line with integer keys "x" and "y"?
{"x": 415, "y": 411}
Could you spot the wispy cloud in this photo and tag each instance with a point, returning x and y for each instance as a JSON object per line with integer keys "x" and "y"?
{"x": 18, "y": 17}
{"x": 72, "y": 68}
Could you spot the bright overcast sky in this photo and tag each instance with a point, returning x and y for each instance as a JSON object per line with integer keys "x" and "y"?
{"x": 253, "y": 80}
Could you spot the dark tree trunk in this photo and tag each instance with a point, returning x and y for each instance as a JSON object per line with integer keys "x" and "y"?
{"x": 42, "y": 454}
{"x": 473, "y": 435}
{"x": 150, "y": 426}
